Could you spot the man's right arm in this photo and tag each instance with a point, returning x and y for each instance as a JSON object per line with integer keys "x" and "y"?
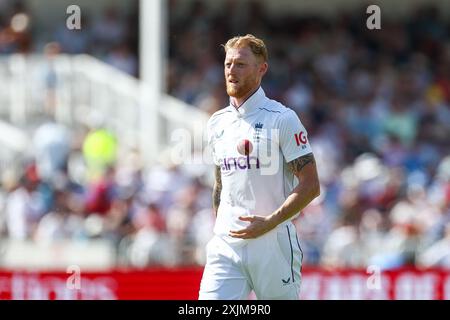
{"x": 217, "y": 189}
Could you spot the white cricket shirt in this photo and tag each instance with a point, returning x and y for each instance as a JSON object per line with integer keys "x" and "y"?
{"x": 257, "y": 183}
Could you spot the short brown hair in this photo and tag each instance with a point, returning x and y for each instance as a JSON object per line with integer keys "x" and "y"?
{"x": 257, "y": 46}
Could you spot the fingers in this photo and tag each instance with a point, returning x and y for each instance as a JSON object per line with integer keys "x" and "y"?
{"x": 247, "y": 218}
{"x": 239, "y": 232}
{"x": 249, "y": 232}
{"x": 238, "y": 235}
{"x": 242, "y": 233}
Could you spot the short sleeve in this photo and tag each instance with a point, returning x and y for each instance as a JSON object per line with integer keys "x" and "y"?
{"x": 294, "y": 141}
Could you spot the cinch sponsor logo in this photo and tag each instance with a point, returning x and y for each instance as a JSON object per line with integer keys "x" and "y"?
{"x": 239, "y": 163}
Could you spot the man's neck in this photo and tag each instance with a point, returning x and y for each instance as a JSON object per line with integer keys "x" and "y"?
{"x": 237, "y": 102}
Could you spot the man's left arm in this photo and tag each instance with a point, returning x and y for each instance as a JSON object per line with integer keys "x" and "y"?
{"x": 304, "y": 168}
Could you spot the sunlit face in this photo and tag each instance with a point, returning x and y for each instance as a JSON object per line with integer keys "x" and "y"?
{"x": 243, "y": 72}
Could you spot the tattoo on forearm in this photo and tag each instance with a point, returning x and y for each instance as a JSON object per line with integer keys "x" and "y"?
{"x": 298, "y": 164}
{"x": 217, "y": 190}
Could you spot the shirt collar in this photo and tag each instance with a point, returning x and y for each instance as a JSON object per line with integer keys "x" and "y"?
{"x": 251, "y": 103}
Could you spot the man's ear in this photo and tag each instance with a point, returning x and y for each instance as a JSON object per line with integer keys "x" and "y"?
{"x": 263, "y": 68}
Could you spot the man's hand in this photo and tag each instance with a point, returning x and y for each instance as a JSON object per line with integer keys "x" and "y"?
{"x": 257, "y": 227}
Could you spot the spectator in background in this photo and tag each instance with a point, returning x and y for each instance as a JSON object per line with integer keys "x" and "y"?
{"x": 23, "y": 206}
{"x": 438, "y": 254}
{"x": 48, "y": 77}
{"x": 62, "y": 222}
{"x": 123, "y": 59}
{"x": 16, "y": 36}
{"x": 100, "y": 192}
{"x": 109, "y": 31}
{"x": 99, "y": 150}
{"x": 52, "y": 145}
{"x": 401, "y": 122}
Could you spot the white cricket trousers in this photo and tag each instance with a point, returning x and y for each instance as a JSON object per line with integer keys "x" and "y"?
{"x": 270, "y": 265}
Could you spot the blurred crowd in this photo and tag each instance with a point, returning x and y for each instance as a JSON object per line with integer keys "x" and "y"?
{"x": 80, "y": 186}
{"x": 111, "y": 36}
{"x": 376, "y": 104}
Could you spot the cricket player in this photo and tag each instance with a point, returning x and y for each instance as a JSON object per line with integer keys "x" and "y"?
{"x": 265, "y": 175}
